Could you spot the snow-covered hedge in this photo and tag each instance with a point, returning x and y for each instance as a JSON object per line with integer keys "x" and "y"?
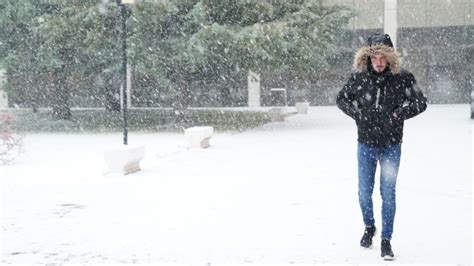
{"x": 99, "y": 120}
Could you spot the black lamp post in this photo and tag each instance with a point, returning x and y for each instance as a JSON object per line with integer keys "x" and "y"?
{"x": 125, "y": 11}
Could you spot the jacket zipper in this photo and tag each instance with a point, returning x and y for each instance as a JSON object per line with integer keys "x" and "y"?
{"x": 377, "y": 98}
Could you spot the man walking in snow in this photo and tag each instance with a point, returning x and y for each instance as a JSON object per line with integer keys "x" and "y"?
{"x": 379, "y": 96}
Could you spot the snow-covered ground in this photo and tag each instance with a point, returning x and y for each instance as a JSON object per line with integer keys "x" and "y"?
{"x": 282, "y": 193}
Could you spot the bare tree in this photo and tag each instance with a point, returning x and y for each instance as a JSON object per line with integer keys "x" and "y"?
{"x": 10, "y": 144}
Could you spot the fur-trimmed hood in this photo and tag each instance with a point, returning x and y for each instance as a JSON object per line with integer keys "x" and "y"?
{"x": 362, "y": 57}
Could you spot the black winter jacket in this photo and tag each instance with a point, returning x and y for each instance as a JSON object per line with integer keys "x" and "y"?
{"x": 379, "y": 104}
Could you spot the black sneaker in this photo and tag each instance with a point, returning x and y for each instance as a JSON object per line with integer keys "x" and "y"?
{"x": 387, "y": 253}
{"x": 366, "y": 240}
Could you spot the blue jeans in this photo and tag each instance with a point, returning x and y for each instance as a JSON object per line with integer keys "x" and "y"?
{"x": 389, "y": 159}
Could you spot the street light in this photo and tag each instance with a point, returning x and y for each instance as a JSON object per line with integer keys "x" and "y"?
{"x": 124, "y": 159}
{"x": 125, "y": 11}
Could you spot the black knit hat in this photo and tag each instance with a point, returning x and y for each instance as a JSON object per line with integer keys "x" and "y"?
{"x": 379, "y": 39}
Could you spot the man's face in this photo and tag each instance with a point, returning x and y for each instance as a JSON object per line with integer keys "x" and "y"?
{"x": 379, "y": 63}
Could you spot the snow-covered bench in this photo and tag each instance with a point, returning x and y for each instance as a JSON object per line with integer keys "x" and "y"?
{"x": 124, "y": 159}
{"x": 198, "y": 137}
{"x": 302, "y": 107}
{"x": 277, "y": 114}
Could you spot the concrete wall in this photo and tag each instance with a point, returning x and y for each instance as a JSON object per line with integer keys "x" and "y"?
{"x": 370, "y": 13}
{"x": 435, "y": 13}
{"x": 411, "y": 13}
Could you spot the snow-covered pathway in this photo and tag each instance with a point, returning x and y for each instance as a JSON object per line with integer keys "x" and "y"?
{"x": 281, "y": 193}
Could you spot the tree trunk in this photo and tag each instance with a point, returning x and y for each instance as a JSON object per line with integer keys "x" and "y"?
{"x": 183, "y": 102}
{"x": 226, "y": 98}
{"x": 186, "y": 95}
{"x": 112, "y": 101}
{"x": 60, "y": 97}
{"x": 112, "y": 93}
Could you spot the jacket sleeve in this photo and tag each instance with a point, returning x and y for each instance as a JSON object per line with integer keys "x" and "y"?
{"x": 416, "y": 101}
{"x": 346, "y": 99}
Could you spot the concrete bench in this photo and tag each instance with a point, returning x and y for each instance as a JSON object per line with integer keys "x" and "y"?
{"x": 124, "y": 159}
{"x": 277, "y": 114}
{"x": 198, "y": 137}
{"x": 302, "y": 107}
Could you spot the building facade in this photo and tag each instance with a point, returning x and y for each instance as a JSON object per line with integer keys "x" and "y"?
{"x": 434, "y": 37}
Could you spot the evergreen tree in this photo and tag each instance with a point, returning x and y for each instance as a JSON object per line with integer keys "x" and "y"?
{"x": 19, "y": 50}
{"x": 73, "y": 46}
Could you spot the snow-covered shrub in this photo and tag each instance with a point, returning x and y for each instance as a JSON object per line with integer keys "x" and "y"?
{"x": 10, "y": 144}
{"x": 153, "y": 120}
